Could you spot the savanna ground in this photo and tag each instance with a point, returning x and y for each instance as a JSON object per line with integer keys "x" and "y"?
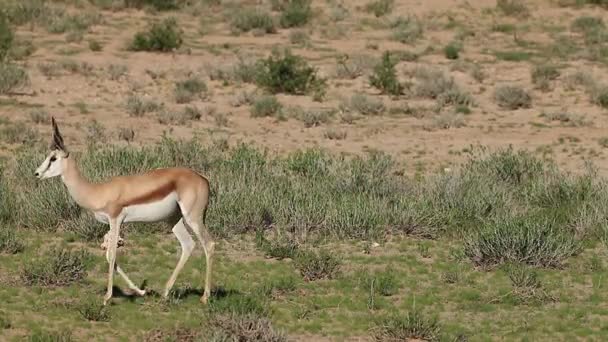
{"x": 362, "y": 187}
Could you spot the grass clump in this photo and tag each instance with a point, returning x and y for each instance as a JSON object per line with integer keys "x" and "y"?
{"x": 527, "y": 239}
{"x": 138, "y": 107}
{"x": 188, "y": 90}
{"x": 412, "y": 325}
{"x": 45, "y": 336}
{"x": 365, "y": 105}
{"x": 316, "y": 265}
{"x": 527, "y": 287}
{"x": 383, "y": 283}
{"x": 543, "y": 74}
{"x": 512, "y": 97}
{"x": 239, "y": 304}
{"x": 266, "y": 105}
{"x": 380, "y": 7}
{"x": 599, "y": 95}
{"x": 159, "y": 5}
{"x": 6, "y": 38}
{"x": 58, "y": 267}
{"x": 295, "y": 13}
{"x": 92, "y": 309}
{"x": 243, "y": 328}
{"x": 12, "y": 77}
{"x": 288, "y": 73}
{"x": 514, "y": 8}
{"x": 249, "y": 19}
{"x": 164, "y": 37}
{"x": 406, "y": 30}
{"x": 452, "y": 51}
{"x": 384, "y": 76}
{"x": 276, "y": 248}
{"x": 9, "y": 242}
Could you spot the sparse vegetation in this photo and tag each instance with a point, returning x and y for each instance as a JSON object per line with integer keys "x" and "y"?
{"x": 380, "y": 7}
{"x": 315, "y": 265}
{"x": 295, "y": 13}
{"x": 543, "y": 74}
{"x": 58, "y": 267}
{"x": 248, "y": 19}
{"x": 514, "y": 8}
{"x": 407, "y": 30}
{"x": 512, "y": 97}
{"x": 190, "y": 89}
{"x": 137, "y": 106}
{"x": 265, "y": 106}
{"x": 411, "y": 325}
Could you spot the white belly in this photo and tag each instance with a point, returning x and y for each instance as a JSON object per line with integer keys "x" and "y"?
{"x": 154, "y": 211}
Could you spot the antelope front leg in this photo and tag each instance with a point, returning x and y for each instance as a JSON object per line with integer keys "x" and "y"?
{"x": 111, "y": 256}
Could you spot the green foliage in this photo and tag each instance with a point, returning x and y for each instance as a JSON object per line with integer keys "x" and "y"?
{"x": 380, "y": 7}
{"x": 265, "y": 106}
{"x": 288, "y": 73}
{"x": 512, "y": 97}
{"x": 248, "y": 19}
{"x": 164, "y": 37}
{"x": 58, "y": 267}
{"x": 315, "y": 265}
{"x": 239, "y": 304}
{"x": 295, "y": 13}
{"x": 452, "y": 51}
{"x": 403, "y": 327}
{"x": 384, "y": 76}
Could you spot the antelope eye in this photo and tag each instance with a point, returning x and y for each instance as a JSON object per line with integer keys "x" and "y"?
{"x": 53, "y": 158}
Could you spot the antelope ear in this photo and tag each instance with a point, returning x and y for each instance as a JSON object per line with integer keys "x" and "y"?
{"x": 57, "y": 142}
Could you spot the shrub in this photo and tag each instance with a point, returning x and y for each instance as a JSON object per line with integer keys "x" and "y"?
{"x": 6, "y": 38}
{"x": 164, "y": 36}
{"x": 512, "y": 97}
{"x": 12, "y": 77}
{"x": 543, "y": 74}
{"x": 187, "y": 90}
{"x": 58, "y": 267}
{"x": 365, "y": 105}
{"x": 380, "y": 7}
{"x": 315, "y": 117}
{"x": 296, "y": 13}
{"x": 243, "y": 328}
{"x": 411, "y": 325}
{"x": 287, "y": 73}
{"x": 599, "y": 96}
{"x": 406, "y": 30}
{"x": 527, "y": 239}
{"x": 136, "y": 106}
{"x": 384, "y": 76}
{"x": 515, "y": 8}
{"x": 92, "y": 309}
{"x": 315, "y": 265}
{"x": 587, "y": 24}
{"x": 265, "y": 106}
{"x": 249, "y": 19}
{"x": 452, "y": 51}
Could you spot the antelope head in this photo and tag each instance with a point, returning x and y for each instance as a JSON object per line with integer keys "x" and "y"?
{"x": 54, "y": 164}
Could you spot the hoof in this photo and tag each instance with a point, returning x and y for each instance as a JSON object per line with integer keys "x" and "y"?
{"x": 204, "y": 299}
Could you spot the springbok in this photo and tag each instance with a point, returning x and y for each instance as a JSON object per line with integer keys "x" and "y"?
{"x": 157, "y": 195}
